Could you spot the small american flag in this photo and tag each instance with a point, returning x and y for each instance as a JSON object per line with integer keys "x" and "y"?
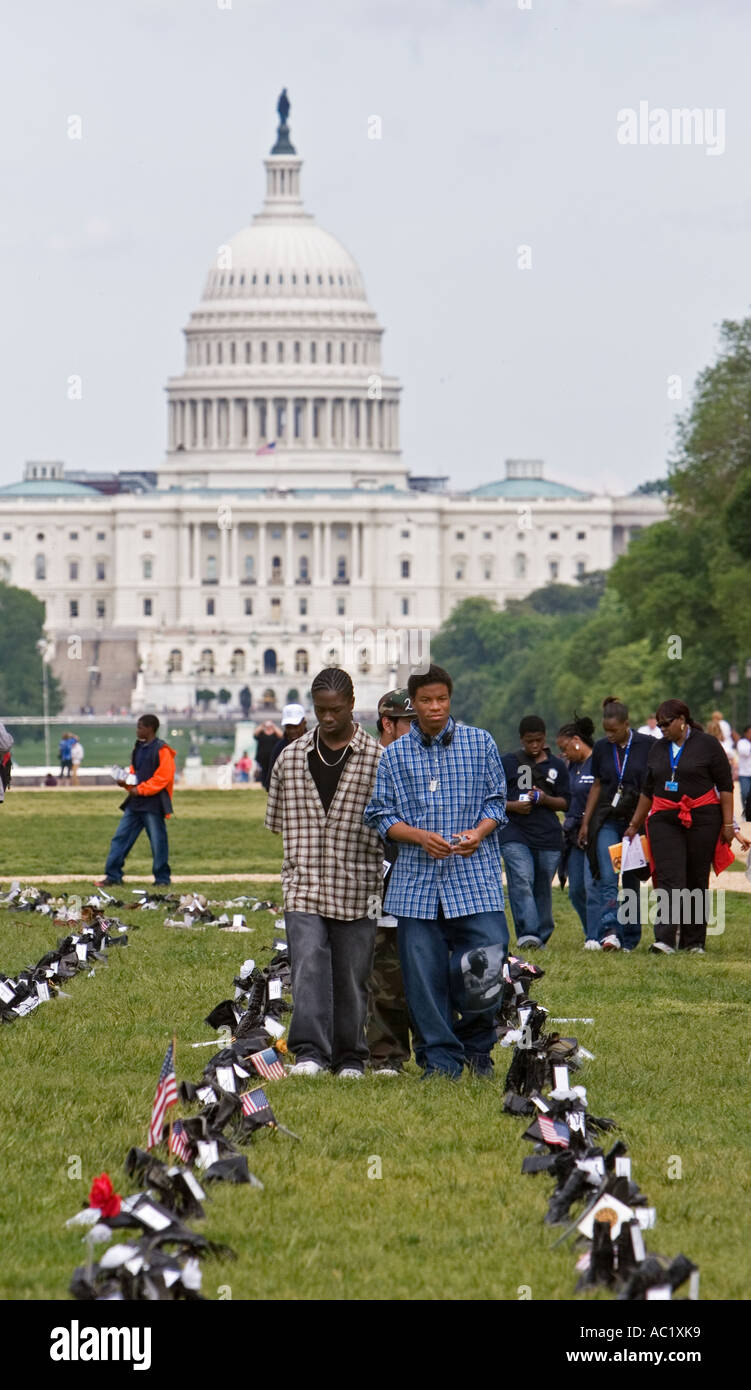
{"x": 267, "y": 1064}
{"x": 267, "y": 448}
{"x": 254, "y": 1102}
{"x": 553, "y": 1131}
{"x": 166, "y": 1095}
{"x": 178, "y": 1142}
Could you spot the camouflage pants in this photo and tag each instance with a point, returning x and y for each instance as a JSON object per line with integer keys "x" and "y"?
{"x": 388, "y": 1020}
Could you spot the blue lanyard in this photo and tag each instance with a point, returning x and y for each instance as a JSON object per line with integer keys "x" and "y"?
{"x": 675, "y": 761}
{"x": 621, "y": 768}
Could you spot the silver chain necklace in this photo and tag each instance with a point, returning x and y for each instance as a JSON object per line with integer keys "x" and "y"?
{"x": 325, "y": 761}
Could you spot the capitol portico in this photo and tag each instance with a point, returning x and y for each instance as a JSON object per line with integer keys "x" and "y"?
{"x": 283, "y": 529}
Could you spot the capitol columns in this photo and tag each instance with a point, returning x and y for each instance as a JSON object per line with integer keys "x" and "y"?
{"x": 316, "y": 552}
{"x": 327, "y": 574}
{"x": 289, "y": 560}
{"x": 262, "y": 554}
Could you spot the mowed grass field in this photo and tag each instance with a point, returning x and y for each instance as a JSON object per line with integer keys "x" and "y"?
{"x": 451, "y": 1216}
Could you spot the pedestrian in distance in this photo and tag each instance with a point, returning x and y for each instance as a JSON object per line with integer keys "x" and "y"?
{"x": 440, "y": 795}
{"x": 148, "y": 805}
{"x": 575, "y": 741}
{"x": 331, "y": 879}
{"x": 619, "y": 766}
{"x": 76, "y": 758}
{"x": 532, "y": 841}
{"x": 64, "y": 750}
{"x": 267, "y": 736}
{"x": 294, "y": 725}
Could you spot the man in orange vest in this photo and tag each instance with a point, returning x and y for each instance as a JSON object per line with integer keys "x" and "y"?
{"x": 148, "y": 804}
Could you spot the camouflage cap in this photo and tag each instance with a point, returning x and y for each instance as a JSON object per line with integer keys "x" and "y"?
{"x": 397, "y": 704}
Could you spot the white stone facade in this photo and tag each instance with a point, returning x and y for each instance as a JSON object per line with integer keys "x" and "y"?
{"x": 246, "y": 568}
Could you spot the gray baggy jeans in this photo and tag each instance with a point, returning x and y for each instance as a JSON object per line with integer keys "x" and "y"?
{"x": 331, "y": 963}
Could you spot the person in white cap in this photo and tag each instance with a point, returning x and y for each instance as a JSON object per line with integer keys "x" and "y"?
{"x": 294, "y": 725}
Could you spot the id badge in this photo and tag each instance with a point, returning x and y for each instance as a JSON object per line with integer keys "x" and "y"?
{"x": 671, "y": 786}
{"x": 616, "y": 798}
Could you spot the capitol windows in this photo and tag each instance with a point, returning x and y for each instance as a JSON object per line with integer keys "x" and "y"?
{"x": 147, "y": 568}
{"x": 100, "y": 609}
{"x": 341, "y": 533}
{"x": 460, "y": 571}
{"x": 267, "y": 279}
{"x": 341, "y": 607}
{"x": 276, "y": 533}
{"x": 147, "y": 535}
{"x": 99, "y": 535}
{"x": 313, "y": 349}
{"x": 405, "y": 535}
{"x": 301, "y": 662}
{"x": 354, "y": 352}
{"x": 6, "y": 535}
{"x": 248, "y": 607}
{"x": 248, "y": 533}
{"x": 329, "y": 352}
{"x": 100, "y": 571}
{"x": 175, "y": 660}
{"x": 237, "y": 662}
{"x": 73, "y": 570}
{"x": 554, "y": 569}
{"x": 264, "y": 351}
{"x": 249, "y": 568}
{"x": 210, "y": 608}
{"x": 73, "y": 536}
{"x": 73, "y": 608}
{"x": 269, "y": 662}
{"x": 520, "y": 566}
{"x": 219, "y": 352}
{"x": 552, "y": 535}
{"x": 211, "y": 533}
{"x": 4, "y": 571}
{"x": 40, "y": 567}
{"x": 459, "y": 535}
{"x": 405, "y": 607}
{"x": 276, "y": 610}
{"x": 342, "y": 352}
{"x": 487, "y": 535}
{"x": 40, "y": 535}
{"x": 405, "y": 569}
{"x": 280, "y": 352}
{"x": 487, "y": 569}
{"x": 304, "y": 570}
{"x": 208, "y": 352}
{"x": 206, "y": 667}
{"x": 232, "y": 353}
{"x": 303, "y": 533}
{"x": 298, "y": 418}
{"x": 303, "y": 607}
{"x": 248, "y": 351}
{"x": 276, "y": 569}
{"x": 148, "y": 607}
{"x": 297, "y": 352}
{"x": 211, "y": 569}
{"x": 581, "y": 568}
{"x": 281, "y": 418}
{"x": 581, "y": 535}
{"x": 341, "y": 569}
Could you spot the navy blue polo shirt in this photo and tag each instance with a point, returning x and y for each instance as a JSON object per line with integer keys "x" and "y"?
{"x": 633, "y": 774}
{"x": 582, "y": 777}
{"x": 541, "y": 829}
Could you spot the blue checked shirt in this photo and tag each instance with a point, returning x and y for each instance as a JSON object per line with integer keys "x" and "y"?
{"x": 445, "y": 788}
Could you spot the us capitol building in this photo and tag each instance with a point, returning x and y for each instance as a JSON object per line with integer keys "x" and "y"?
{"x": 283, "y": 530}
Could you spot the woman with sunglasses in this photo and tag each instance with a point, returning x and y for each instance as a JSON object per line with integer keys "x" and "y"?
{"x": 687, "y": 799}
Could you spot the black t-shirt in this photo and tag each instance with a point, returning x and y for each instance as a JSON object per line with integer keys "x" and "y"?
{"x": 264, "y": 745}
{"x": 702, "y": 765}
{"x": 541, "y": 829}
{"x": 607, "y": 759}
{"x": 326, "y": 776}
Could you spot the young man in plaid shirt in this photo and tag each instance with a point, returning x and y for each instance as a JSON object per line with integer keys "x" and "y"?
{"x": 440, "y": 794}
{"x": 331, "y": 877}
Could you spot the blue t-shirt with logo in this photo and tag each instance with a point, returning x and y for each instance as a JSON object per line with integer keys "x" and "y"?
{"x": 541, "y": 829}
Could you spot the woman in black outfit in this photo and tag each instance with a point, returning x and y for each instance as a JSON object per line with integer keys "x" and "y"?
{"x": 688, "y": 797}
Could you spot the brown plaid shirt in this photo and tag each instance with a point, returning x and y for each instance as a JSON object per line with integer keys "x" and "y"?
{"x": 333, "y": 864}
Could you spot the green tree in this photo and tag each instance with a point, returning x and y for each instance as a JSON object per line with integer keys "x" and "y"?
{"x": 204, "y": 698}
{"x": 21, "y": 628}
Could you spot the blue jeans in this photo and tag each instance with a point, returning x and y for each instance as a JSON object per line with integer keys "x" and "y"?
{"x": 584, "y": 893}
{"x": 745, "y": 789}
{"x": 430, "y": 950}
{"x": 529, "y": 874}
{"x": 627, "y": 926}
{"x": 124, "y": 838}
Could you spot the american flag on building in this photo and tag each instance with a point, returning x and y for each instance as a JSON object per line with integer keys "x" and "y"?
{"x": 267, "y": 448}
{"x": 166, "y": 1095}
{"x": 553, "y": 1131}
{"x": 178, "y": 1142}
{"x": 267, "y": 1064}
{"x": 255, "y": 1102}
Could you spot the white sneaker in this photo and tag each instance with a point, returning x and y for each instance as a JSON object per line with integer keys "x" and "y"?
{"x": 592, "y": 946}
{"x": 696, "y": 951}
{"x": 349, "y": 1074}
{"x": 387, "y": 1071}
{"x": 611, "y": 942}
{"x": 309, "y": 1068}
{"x": 658, "y": 948}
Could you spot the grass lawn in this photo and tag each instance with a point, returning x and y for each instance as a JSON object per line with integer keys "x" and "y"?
{"x": 451, "y": 1217}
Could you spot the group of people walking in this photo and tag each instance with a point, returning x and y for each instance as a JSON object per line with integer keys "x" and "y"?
{"x": 439, "y": 810}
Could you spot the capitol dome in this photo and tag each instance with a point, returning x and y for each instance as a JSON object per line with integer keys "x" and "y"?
{"x": 283, "y": 353}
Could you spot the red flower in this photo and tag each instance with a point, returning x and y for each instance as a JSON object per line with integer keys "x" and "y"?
{"x": 103, "y": 1196}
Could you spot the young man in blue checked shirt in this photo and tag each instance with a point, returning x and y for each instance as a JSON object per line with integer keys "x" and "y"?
{"x": 440, "y": 793}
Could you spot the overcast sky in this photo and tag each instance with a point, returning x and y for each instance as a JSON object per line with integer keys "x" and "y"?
{"x": 500, "y": 130}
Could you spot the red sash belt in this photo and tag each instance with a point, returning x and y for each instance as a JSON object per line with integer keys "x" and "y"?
{"x": 723, "y": 852}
